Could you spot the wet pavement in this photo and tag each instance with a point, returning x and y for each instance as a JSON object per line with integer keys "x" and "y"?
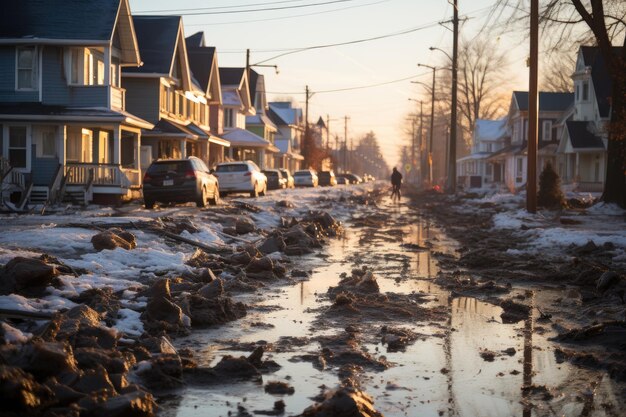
{"x": 470, "y": 364}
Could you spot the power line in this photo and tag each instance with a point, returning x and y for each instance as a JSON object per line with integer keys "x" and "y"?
{"x": 221, "y": 7}
{"x": 266, "y": 9}
{"x": 354, "y": 88}
{"x": 403, "y": 32}
{"x": 285, "y": 17}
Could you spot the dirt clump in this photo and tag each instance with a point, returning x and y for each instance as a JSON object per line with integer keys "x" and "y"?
{"x": 341, "y": 403}
{"x": 112, "y": 239}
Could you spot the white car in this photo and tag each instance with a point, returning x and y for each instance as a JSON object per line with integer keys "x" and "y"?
{"x": 305, "y": 178}
{"x": 241, "y": 177}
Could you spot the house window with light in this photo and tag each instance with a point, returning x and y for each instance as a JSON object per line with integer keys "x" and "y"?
{"x": 26, "y": 67}
{"x": 86, "y": 67}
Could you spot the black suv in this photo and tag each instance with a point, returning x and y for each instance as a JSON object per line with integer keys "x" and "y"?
{"x": 180, "y": 181}
{"x": 275, "y": 179}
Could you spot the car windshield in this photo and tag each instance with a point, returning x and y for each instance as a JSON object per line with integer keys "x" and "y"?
{"x": 232, "y": 168}
{"x": 271, "y": 173}
{"x": 168, "y": 166}
{"x": 302, "y": 174}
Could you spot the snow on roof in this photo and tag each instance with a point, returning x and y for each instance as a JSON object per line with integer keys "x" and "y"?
{"x": 489, "y": 130}
{"x": 231, "y": 98}
{"x": 242, "y": 137}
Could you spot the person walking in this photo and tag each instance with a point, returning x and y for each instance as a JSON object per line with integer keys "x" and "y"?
{"x": 396, "y": 182}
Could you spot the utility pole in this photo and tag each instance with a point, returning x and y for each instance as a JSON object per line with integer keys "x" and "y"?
{"x": 327, "y": 132}
{"x": 421, "y": 145}
{"x": 345, "y": 143}
{"x": 307, "y": 140}
{"x": 453, "y": 110}
{"x": 432, "y": 132}
{"x": 533, "y": 110}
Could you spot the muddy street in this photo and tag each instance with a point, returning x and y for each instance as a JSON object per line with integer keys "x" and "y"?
{"x": 307, "y": 302}
{"x": 368, "y": 315}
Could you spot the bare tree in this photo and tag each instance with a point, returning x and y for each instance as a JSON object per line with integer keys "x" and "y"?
{"x": 604, "y": 22}
{"x": 557, "y": 71}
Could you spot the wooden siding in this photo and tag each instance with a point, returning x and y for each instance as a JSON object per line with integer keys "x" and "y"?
{"x": 142, "y": 97}
{"x": 43, "y": 169}
{"x": 8, "y": 93}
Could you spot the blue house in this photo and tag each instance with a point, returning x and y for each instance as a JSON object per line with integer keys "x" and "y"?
{"x": 164, "y": 92}
{"x": 64, "y": 130}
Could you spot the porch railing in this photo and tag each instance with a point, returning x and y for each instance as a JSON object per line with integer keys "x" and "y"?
{"x": 101, "y": 175}
{"x": 118, "y": 98}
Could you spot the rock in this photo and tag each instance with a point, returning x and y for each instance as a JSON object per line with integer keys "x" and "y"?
{"x": 19, "y": 392}
{"x": 488, "y": 355}
{"x": 279, "y": 388}
{"x": 343, "y": 402}
{"x": 272, "y": 244}
{"x": 514, "y": 312}
{"x": 94, "y": 380}
{"x": 84, "y": 314}
{"x": 44, "y": 359}
{"x": 213, "y": 289}
{"x": 244, "y": 225}
{"x": 133, "y": 404}
{"x": 216, "y": 310}
{"x": 112, "y": 239}
{"x": 159, "y": 345}
{"x": 241, "y": 258}
{"x": 165, "y": 372}
{"x": 296, "y": 236}
{"x": 260, "y": 265}
{"x": 63, "y": 395}
{"x": 607, "y": 280}
{"x": 90, "y": 358}
{"x": 586, "y": 249}
{"x": 231, "y": 367}
{"x": 160, "y": 307}
{"x": 21, "y": 274}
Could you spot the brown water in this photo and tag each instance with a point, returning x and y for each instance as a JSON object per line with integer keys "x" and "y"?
{"x": 441, "y": 374}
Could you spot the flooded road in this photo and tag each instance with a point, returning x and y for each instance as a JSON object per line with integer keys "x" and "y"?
{"x": 468, "y": 364}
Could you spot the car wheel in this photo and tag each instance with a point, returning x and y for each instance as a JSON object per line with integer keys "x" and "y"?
{"x": 223, "y": 194}
{"x": 148, "y": 204}
{"x": 202, "y": 201}
{"x": 263, "y": 191}
{"x": 216, "y": 197}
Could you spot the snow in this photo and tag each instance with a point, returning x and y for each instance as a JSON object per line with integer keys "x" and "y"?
{"x": 129, "y": 322}
{"x": 13, "y": 335}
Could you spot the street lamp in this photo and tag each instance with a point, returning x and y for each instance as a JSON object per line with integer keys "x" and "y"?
{"x": 432, "y": 123}
{"x": 434, "y": 48}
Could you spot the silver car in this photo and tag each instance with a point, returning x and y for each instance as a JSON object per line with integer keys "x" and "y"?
{"x": 305, "y": 178}
{"x": 241, "y": 177}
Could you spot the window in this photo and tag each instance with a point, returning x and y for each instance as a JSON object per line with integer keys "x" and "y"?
{"x": 520, "y": 166}
{"x": 17, "y": 146}
{"x": 577, "y": 92}
{"x": 87, "y": 67}
{"x": 27, "y": 68}
{"x": 546, "y": 134}
{"x": 228, "y": 118}
{"x": 585, "y": 90}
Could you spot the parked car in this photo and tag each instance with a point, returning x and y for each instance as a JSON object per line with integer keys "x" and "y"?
{"x": 351, "y": 178}
{"x": 241, "y": 177}
{"x": 327, "y": 178}
{"x": 275, "y": 179}
{"x": 305, "y": 178}
{"x": 287, "y": 176}
{"x": 341, "y": 180}
{"x": 179, "y": 181}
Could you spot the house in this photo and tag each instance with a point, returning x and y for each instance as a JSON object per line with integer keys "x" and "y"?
{"x": 163, "y": 92}
{"x": 582, "y": 157}
{"x": 513, "y": 157}
{"x": 290, "y": 123}
{"x": 204, "y": 69}
{"x": 237, "y": 104}
{"x": 474, "y": 171}
{"x": 64, "y": 129}
{"x": 259, "y": 123}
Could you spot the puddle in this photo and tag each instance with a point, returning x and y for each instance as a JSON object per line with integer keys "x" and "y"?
{"x": 442, "y": 373}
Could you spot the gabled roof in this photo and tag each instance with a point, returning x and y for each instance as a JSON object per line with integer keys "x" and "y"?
{"x": 201, "y": 62}
{"x": 253, "y": 83}
{"x": 231, "y": 76}
{"x": 282, "y": 113}
{"x": 87, "y": 22}
{"x": 602, "y": 83}
{"x": 161, "y": 41}
{"x": 548, "y": 101}
{"x": 581, "y": 137}
{"x": 196, "y": 40}
{"x": 489, "y": 130}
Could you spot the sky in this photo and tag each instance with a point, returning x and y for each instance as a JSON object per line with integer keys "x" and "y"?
{"x": 386, "y": 66}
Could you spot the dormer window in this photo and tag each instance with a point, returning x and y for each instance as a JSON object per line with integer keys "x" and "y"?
{"x": 26, "y": 68}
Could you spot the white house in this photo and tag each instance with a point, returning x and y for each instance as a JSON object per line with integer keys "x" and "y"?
{"x": 581, "y": 160}
{"x": 474, "y": 170}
